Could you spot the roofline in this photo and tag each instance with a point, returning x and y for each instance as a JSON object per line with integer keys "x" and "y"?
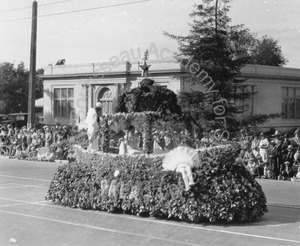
{"x": 110, "y": 75}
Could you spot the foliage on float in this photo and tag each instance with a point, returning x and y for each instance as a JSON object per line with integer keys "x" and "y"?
{"x": 224, "y": 190}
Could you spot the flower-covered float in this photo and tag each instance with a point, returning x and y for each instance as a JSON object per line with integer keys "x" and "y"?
{"x": 194, "y": 185}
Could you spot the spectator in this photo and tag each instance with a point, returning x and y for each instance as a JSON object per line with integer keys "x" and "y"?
{"x": 255, "y": 145}
{"x": 48, "y": 137}
{"x": 285, "y": 144}
{"x": 28, "y": 138}
{"x": 18, "y": 151}
{"x": 55, "y": 132}
{"x": 263, "y": 147}
{"x": 289, "y": 156}
{"x": 11, "y": 131}
{"x": 274, "y": 171}
{"x": 3, "y": 149}
{"x": 252, "y": 166}
{"x": 279, "y": 142}
{"x": 286, "y": 171}
{"x": 298, "y": 174}
{"x": 60, "y": 135}
{"x": 288, "y": 160}
{"x": 66, "y": 132}
{"x": 247, "y": 154}
{"x": 296, "y": 139}
{"x": 295, "y": 166}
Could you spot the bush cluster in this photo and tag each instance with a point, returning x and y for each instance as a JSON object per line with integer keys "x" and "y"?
{"x": 224, "y": 190}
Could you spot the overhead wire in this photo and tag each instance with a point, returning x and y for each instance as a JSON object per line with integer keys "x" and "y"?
{"x": 29, "y": 7}
{"x": 76, "y": 11}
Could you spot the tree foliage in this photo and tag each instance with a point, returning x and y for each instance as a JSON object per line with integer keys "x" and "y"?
{"x": 267, "y": 51}
{"x": 148, "y": 97}
{"x": 14, "y": 87}
{"x": 216, "y": 51}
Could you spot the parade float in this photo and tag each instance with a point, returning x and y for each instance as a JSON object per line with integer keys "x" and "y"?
{"x": 189, "y": 182}
{"x": 207, "y": 184}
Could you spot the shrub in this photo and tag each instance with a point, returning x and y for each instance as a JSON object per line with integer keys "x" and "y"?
{"x": 224, "y": 190}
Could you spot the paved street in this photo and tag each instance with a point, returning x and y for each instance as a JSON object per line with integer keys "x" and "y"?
{"x": 27, "y": 219}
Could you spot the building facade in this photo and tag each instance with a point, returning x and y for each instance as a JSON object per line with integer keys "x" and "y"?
{"x": 71, "y": 90}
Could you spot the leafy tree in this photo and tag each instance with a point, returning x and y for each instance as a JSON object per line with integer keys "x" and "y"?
{"x": 14, "y": 88}
{"x": 215, "y": 52}
{"x": 149, "y": 97}
{"x": 267, "y": 51}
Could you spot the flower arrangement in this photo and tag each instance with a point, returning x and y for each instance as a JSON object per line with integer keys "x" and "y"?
{"x": 223, "y": 189}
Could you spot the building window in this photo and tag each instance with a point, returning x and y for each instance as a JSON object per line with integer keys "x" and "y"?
{"x": 249, "y": 103}
{"x": 106, "y": 98}
{"x": 290, "y": 103}
{"x": 63, "y": 102}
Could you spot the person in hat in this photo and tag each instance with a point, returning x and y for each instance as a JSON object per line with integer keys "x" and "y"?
{"x": 277, "y": 134}
{"x": 285, "y": 173}
{"x": 92, "y": 121}
{"x": 287, "y": 158}
{"x": 274, "y": 169}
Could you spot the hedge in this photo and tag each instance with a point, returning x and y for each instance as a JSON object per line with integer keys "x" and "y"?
{"x": 224, "y": 189}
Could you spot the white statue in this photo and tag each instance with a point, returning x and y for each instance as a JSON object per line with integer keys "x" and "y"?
{"x": 92, "y": 121}
{"x": 182, "y": 160}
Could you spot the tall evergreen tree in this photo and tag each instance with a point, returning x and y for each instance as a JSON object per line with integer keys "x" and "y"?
{"x": 215, "y": 52}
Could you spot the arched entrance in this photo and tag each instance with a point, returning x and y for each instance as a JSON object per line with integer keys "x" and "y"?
{"x": 105, "y": 96}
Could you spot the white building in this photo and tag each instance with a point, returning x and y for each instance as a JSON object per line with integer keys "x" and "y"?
{"x": 70, "y": 90}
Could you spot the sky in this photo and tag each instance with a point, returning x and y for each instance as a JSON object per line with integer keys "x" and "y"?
{"x": 106, "y": 33}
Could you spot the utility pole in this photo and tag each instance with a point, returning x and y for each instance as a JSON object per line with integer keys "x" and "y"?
{"x": 32, "y": 72}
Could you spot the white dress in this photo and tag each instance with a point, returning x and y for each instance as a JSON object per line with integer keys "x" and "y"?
{"x": 93, "y": 128}
{"x": 263, "y": 149}
{"x": 182, "y": 159}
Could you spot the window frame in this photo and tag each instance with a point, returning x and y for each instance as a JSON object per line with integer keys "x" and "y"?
{"x": 289, "y": 97}
{"x": 66, "y": 99}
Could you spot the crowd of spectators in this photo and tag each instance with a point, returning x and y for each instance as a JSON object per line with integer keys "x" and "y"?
{"x": 19, "y": 141}
{"x": 271, "y": 157}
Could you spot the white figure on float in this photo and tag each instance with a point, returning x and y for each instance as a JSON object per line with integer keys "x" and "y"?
{"x": 92, "y": 121}
{"x": 182, "y": 159}
{"x": 130, "y": 143}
